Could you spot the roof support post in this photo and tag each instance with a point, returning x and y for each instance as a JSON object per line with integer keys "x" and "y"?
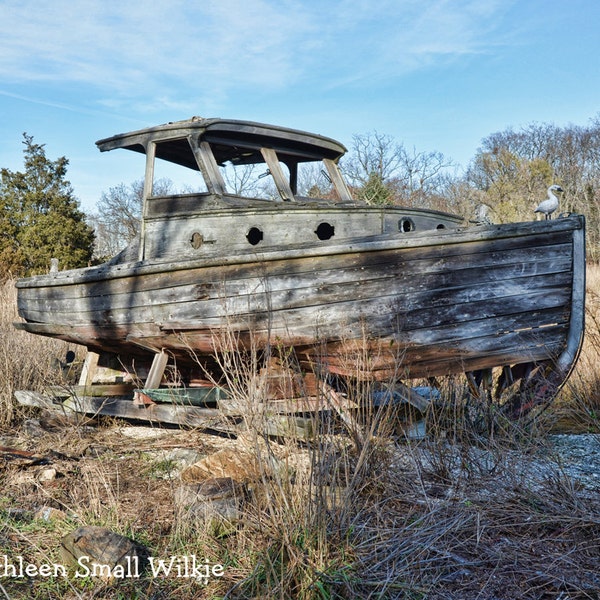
{"x": 337, "y": 179}
{"x": 208, "y": 166}
{"x": 148, "y": 185}
{"x": 283, "y": 185}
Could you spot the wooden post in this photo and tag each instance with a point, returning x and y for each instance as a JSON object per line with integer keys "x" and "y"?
{"x": 88, "y": 371}
{"x": 337, "y": 402}
{"x": 157, "y": 370}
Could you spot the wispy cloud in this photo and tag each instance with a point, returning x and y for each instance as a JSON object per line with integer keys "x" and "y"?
{"x": 177, "y": 53}
{"x": 394, "y": 38}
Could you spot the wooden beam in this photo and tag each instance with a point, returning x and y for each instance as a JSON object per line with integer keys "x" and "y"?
{"x": 157, "y": 370}
{"x": 338, "y": 180}
{"x": 148, "y": 185}
{"x": 88, "y": 371}
{"x": 191, "y": 416}
{"x": 209, "y": 168}
{"x": 283, "y": 185}
{"x": 340, "y": 405}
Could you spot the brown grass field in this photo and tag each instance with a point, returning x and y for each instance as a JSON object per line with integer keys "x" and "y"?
{"x": 456, "y": 515}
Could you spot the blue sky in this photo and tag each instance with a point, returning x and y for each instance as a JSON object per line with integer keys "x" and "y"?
{"x": 434, "y": 74}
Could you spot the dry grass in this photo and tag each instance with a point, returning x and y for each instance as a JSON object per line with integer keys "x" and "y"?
{"x": 27, "y": 362}
{"x": 359, "y": 515}
{"x": 578, "y": 409}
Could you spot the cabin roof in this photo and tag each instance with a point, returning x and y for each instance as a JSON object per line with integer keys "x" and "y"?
{"x": 238, "y": 142}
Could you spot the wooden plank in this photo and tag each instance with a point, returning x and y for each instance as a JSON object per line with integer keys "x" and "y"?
{"x": 189, "y": 416}
{"x": 281, "y": 182}
{"x": 157, "y": 370}
{"x": 209, "y": 168}
{"x": 339, "y": 182}
{"x": 428, "y": 244}
{"x": 36, "y": 399}
{"x": 350, "y": 266}
{"x": 100, "y": 390}
{"x": 88, "y": 371}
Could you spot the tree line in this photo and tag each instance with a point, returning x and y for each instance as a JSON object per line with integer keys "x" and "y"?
{"x": 40, "y": 217}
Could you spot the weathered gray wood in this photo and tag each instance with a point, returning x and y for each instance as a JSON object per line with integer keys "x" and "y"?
{"x": 209, "y": 168}
{"x": 336, "y": 177}
{"x": 100, "y": 390}
{"x": 392, "y": 292}
{"x": 313, "y": 281}
{"x": 412, "y": 397}
{"x": 281, "y": 182}
{"x": 147, "y": 192}
{"x": 189, "y": 416}
{"x": 90, "y": 364}
{"x": 36, "y": 399}
{"x": 157, "y": 370}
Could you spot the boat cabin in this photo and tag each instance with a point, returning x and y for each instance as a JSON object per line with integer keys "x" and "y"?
{"x": 191, "y": 225}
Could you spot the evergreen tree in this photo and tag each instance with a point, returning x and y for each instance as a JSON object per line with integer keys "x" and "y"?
{"x": 375, "y": 191}
{"x": 40, "y": 218}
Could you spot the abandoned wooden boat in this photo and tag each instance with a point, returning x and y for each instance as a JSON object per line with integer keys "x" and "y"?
{"x": 356, "y": 290}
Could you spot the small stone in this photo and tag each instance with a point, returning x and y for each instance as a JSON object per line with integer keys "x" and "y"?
{"x": 214, "y": 504}
{"x": 47, "y": 475}
{"x": 47, "y": 513}
{"x": 99, "y": 552}
{"x": 231, "y": 463}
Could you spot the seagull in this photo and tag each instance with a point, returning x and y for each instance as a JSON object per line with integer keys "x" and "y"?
{"x": 482, "y": 215}
{"x": 548, "y": 206}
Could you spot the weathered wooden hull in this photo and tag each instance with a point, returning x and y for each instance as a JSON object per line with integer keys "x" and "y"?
{"x": 427, "y": 304}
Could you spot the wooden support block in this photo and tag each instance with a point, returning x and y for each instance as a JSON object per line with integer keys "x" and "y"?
{"x": 89, "y": 369}
{"x": 30, "y": 398}
{"x": 190, "y": 416}
{"x": 340, "y": 405}
{"x": 157, "y": 370}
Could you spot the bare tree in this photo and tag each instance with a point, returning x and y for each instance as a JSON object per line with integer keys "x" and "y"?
{"x": 119, "y": 212}
{"x": 384, "y": 171}
{"x": 242, "y": 180}
{"x": 373, "y": 154}
{"x": 514, "y": 168}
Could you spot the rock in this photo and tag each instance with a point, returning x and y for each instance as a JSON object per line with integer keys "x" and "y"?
{"x": 214, "y": 504}
{"x": 47, "y": 513}
{"x": 99, "y": 552}
{"x": 47, "y": 475}
{"x": 33, "y": 428}
{"x": 239, "y": 465}
{"x": 144, "y": 433}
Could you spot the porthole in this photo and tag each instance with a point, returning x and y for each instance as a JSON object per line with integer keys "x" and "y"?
{"x": 197, "y": 240}
{"x": 254, "y": 236}
{"x": 405, "y": 225}
{"x": 325, "y": 231}
{"x": 441, "y": 226}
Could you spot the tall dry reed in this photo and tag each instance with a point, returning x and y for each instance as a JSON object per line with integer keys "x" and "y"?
{"x": 578, "y": 407}
{"x": 27, "y": 362}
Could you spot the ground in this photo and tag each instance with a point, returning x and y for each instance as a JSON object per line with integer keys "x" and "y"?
{"x": 436, "y": 518}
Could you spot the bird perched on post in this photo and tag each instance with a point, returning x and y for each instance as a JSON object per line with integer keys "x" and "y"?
{"x": 550, "y": 204}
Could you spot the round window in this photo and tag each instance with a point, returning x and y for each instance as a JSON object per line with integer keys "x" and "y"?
{"x": 405, "y": 225}
{"x": 254, "y": 236}
{"x": 325, "y": 231}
